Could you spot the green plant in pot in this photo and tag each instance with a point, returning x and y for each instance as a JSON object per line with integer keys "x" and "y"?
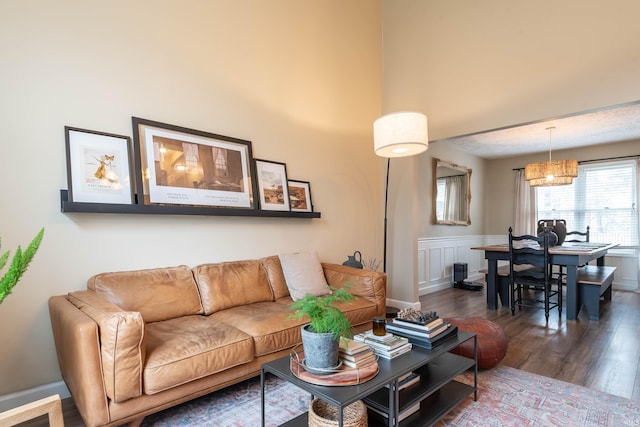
{"x": 321, "y": 336}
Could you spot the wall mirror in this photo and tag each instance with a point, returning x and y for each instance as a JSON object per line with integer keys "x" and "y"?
{"x": 451, "y": 193}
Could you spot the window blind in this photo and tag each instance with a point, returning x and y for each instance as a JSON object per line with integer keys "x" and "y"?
{"x": 603, "y": 197}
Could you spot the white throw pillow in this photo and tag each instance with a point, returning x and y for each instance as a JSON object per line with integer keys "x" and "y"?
{"x": 303, "y": 274}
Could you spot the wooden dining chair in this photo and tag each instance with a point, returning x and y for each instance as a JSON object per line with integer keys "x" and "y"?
{"x": 533, "y": 251}
{"x": 578, "y": 236}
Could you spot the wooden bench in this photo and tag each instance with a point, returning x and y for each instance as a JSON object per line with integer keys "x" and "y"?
{"x": 594, "y": 282}
{"x": 503, "y": 281}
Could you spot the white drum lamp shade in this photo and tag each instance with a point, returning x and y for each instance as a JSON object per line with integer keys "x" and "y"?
{"x": 400, "y": 134}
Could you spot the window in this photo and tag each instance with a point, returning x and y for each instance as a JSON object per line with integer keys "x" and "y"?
{"x": 603, "y": 197}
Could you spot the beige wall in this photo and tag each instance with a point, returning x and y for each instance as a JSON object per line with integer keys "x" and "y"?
{"x": 300, "y": 79}
{"x": 472, "y": 66}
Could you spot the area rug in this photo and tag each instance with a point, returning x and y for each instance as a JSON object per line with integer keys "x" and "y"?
{"x": 506, "y": 397}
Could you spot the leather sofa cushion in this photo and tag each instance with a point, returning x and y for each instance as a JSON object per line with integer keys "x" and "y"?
{"x": 273, "y": 270}
{"x": 267, "y": 323}
{"x": 188, "y": 348}
{"x": 158, "y": 293}
{"x": 121, "y": 344}
{"x": 231, "y": 284}
{"x": 303, "y": 274}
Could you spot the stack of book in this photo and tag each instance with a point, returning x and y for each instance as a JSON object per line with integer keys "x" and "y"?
{"x": 384, "y": 417}
{"x": 354, "y": 354}
{"x": 426, "y": 334}
{"x": 387, "y": 346}
{"x": 404, "y": 381}
{"x": 407, "y": 380}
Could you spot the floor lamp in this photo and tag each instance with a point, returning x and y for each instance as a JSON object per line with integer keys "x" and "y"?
{"x": 399, "y": 134}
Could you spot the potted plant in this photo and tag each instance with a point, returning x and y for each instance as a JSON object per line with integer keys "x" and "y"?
{"x": 18, "y": 265}
{"x": 327, "y": 324}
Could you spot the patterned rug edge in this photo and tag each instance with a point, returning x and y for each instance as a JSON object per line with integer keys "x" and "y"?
{"x": 506, "y": 397}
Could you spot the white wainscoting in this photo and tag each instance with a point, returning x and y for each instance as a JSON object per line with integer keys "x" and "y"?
{"x": 627, "y": 272}
{"x": 437, "y": 255}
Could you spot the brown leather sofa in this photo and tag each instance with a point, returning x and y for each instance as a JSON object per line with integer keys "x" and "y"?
{"x": 137, "y": 342}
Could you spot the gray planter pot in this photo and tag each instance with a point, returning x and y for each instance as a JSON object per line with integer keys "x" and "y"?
{"x": 320, "y": 350}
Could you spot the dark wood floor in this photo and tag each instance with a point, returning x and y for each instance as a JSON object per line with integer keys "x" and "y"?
{"x": 602, "y": 355}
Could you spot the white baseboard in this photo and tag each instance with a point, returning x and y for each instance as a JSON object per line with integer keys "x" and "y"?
{"x": 13, "y": 400}
{"x": 402, "y": 304}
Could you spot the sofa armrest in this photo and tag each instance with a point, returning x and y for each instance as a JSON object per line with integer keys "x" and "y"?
{"x": 122, "y": 349}
{"x": 78, "y": 349}
{"x": 367, "y": 284}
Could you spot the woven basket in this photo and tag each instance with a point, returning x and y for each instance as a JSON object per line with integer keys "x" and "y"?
{"x": 323, "y": 414}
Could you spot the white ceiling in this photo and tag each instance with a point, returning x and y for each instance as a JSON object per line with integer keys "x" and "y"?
{"x": 602, "y": 126}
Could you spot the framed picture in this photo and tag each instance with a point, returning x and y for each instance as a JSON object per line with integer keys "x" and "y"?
{"x": 272, "y": 185}
{"x": 98, "y": 166}
{"x": 300, "y": 196}
{"x": 181, "y": 166}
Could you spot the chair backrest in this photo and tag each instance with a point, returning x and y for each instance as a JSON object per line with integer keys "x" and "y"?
{"x": 530, "y": 250}
{"x": 584, "y": 238}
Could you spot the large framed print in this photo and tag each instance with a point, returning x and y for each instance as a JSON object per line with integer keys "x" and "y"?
{"x": 300, "y": 196}
{"x": 181, "y": 166}
{"x": 98, "y": 167}
{"x": 272, "y": 185}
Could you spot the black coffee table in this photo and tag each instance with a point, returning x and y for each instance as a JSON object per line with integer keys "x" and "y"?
{"x": 437, "y": 392}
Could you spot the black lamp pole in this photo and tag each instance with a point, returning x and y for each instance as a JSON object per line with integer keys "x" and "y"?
{"x": 386, "y": 195}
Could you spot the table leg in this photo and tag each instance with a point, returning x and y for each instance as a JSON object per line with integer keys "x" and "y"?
{"x": 262, "y": 395}
{"x": 572, "y": 292}
{"x": 475, "y": 368}
{"x": 492, "y": 285}
{"x": 394, "y": 403}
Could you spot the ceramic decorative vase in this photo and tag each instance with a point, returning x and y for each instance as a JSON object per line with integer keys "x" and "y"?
{"x": 354, "y": 260}
{"x": 561, "y": 230}
{"x": 558, "y": 228}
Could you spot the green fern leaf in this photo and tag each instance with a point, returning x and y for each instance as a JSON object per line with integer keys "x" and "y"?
{"x": 19, "y": 264}
{"x": 3, "y": 259}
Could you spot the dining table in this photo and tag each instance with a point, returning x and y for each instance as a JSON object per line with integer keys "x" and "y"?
{"x": 570, "y": 255}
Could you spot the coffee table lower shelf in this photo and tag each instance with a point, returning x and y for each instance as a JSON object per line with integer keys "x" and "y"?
{"x": 432, "y": 408}
{"x": 437, "y": 392}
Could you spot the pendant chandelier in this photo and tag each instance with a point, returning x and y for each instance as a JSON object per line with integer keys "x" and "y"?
{"x": 551, "y": 172}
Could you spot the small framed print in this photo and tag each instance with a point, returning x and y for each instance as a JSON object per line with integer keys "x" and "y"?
{"x": 181, "y": 166}
{"x": 300, "y": 196}
{"x": 272, "y": 185}
{"x": 98, "y": 167}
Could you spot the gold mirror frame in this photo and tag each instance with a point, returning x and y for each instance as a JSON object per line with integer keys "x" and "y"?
{"x": 443, "y": 168}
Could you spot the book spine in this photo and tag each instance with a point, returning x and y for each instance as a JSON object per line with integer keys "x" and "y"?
{"x": 418, "y": 328}
{"x": 395, "y": 353}
{"x": 428, "y": 327}
{"x": 415, "y": 332}
{"x": 385, "y": 347}
{"x": 429, "y": 344}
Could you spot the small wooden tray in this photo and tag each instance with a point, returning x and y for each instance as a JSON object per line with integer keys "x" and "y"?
{"x": 342, "y": 376}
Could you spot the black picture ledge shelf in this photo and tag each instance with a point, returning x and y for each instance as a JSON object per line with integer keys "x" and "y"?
{"x": 72, "y": 207}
